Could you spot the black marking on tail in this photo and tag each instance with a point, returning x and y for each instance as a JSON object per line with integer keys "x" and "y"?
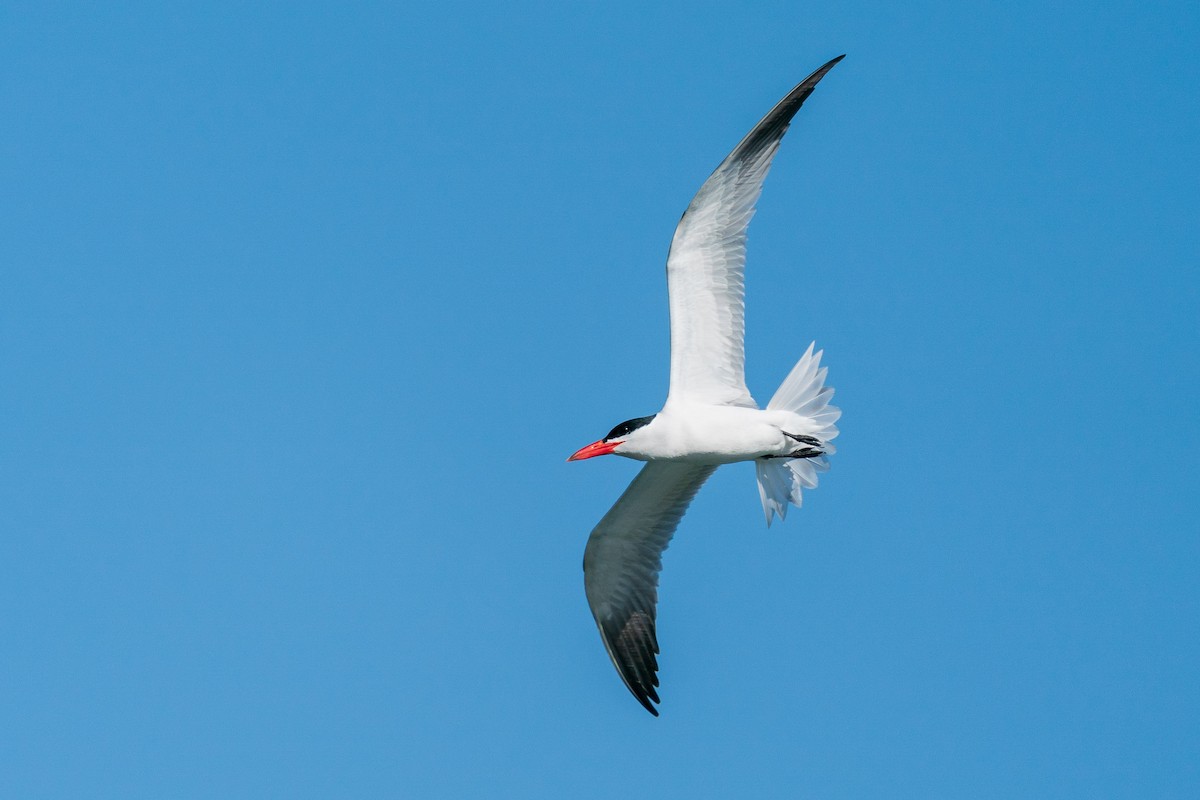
{"x": 815, "y": 448}
{"x": 810, "y": 440}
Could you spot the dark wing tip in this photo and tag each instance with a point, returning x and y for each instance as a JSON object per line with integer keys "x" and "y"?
{"x": 633, "y": 645}
{"x": 805, "y": 87}
{"x": 820, "y": 72}
{"x": 771, "y": 128}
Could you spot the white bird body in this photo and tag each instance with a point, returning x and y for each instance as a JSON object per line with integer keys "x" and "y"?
{"x": 699, "y": 433}
{"x": 709, "y": 418}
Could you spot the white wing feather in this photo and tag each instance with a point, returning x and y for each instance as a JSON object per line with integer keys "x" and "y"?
{"x": 706, "y": 265}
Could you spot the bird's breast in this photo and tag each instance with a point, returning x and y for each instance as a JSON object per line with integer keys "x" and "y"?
{"x": 713, "y": 435}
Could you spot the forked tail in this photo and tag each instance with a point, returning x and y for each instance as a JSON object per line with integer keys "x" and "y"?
{"x": 803, "y": 392}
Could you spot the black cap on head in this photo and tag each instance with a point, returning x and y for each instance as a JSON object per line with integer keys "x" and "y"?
{"x": 628, "y": 427}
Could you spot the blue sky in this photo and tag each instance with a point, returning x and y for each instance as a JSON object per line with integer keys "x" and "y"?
{"x": 303, "y": 307}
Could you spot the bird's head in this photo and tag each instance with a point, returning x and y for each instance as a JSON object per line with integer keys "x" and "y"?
{"x": 623, "y": 434}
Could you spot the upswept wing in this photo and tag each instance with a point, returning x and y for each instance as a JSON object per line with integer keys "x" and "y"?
{"x": 706, "y": 265}
{"x": 621, "y": 566}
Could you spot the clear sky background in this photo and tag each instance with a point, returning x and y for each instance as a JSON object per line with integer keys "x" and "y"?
{"x": 303, "y": 307}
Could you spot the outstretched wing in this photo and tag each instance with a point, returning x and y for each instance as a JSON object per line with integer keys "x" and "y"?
{"x": 621, "y": 566}
{"x": 706, "y": 265}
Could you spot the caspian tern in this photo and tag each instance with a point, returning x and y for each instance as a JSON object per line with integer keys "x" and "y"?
{"x": 709, "y": 418}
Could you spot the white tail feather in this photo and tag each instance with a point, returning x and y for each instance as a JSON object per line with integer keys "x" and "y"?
{"x": 803, "y": 392}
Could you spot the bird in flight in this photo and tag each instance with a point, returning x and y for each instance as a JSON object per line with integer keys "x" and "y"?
{"x": 709, "y": 418}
